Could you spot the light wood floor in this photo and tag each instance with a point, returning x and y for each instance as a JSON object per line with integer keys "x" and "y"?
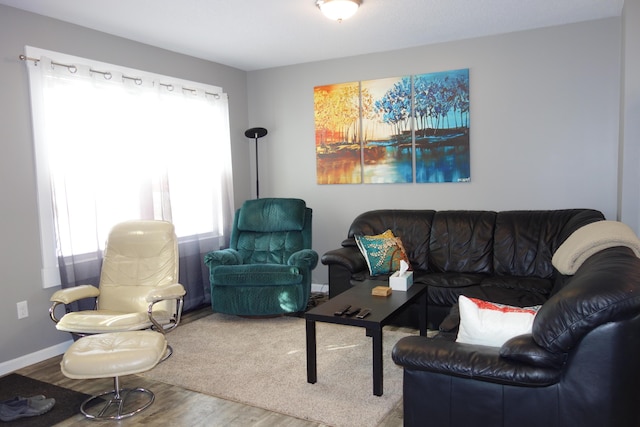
{"x": 174, "y": 405}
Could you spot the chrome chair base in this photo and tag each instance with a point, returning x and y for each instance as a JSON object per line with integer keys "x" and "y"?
{"x": 118, "y": 403}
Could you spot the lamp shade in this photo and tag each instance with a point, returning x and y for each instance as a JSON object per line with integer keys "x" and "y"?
{"x": 338, "y": 9}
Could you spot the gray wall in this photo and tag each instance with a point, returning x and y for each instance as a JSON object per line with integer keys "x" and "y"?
{"x": 630, "y": 117}
{"x": 20, "y": 260}
{"x": 544, "y": 126}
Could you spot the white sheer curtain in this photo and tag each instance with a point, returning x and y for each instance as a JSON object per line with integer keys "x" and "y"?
{"x": 115, "y": 144}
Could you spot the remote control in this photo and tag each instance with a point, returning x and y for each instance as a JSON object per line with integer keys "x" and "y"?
{"x": 342, "y": 310}
{"x": 363, "y": 313}
{"x": 352, "y": 311}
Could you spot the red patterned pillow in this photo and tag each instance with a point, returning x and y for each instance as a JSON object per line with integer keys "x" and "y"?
{"x": 487, "y": 323}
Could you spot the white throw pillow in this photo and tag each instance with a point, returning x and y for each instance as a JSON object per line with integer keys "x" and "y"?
{"x": 492, "y": 324}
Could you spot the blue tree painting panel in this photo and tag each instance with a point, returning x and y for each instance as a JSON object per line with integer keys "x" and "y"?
{"x": 386, "y": 130}
{"x": 441, "y": 112}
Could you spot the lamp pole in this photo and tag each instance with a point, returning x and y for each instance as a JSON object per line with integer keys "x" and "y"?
{"x": 256, "y": 133}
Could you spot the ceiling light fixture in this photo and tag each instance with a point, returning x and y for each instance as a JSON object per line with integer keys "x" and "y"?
{"x": 338, "y": 9}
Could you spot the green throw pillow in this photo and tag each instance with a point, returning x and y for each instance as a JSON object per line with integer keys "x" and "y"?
{"x": 383, "y": 252}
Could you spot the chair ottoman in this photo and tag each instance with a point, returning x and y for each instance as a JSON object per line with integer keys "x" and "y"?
{"x": 113, "y": 355}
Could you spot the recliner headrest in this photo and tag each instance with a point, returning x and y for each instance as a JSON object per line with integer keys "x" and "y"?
{"x": 272, "y": 214}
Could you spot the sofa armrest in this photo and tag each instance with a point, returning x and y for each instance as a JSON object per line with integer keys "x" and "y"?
{"x": 223, "y": 257}
{"x": 524, "y": 349}
{"x": 471, "y": 361}
{"x": 306, "y": 258}
{"x": 348, "y": 257}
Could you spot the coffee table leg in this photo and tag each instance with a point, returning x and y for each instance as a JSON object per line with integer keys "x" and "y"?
{"x": 377, "y": 361}
{"x": 312, "y": 373}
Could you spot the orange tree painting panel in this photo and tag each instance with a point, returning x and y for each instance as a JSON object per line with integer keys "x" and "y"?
{"x": 337, "y": 125}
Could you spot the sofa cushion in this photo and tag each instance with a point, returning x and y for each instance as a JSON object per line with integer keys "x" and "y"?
{"x": 487, "y": 323}
{"x": 525, "y": 241}
{"x": 445, "y": 288}
{"x": 462, "y": 242}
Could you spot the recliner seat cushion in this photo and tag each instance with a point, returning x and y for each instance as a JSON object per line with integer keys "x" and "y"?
{"x": 101, "y": 321}
{"x": 256, "y": 275}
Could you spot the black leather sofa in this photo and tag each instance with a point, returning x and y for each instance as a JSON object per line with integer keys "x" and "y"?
{"x": 503, "y": 257}
{"x": 580, "y": 366}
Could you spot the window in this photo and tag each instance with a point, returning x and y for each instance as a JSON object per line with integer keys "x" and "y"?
{"x": 114, "y": 144}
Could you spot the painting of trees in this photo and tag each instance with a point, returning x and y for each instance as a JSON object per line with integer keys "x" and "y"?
{"x": 387, "y": 130}
{"x": 441, "y": 113}
{"x": 337, "y": 124}
{"x": 375, "y": 131}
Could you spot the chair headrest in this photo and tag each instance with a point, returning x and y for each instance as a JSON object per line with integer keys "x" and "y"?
{"x": 141, "y": 238}
{"x": 272, "y": 214}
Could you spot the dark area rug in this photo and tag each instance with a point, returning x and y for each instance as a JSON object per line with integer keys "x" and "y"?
{"x": 67, "y": 401}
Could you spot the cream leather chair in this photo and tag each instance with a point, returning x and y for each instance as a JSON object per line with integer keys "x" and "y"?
{"x": 138, "y": 287}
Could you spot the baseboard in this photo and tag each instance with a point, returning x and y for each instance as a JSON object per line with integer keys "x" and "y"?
{"x": 30, "y": 359}
{"x": 320, "y": 287}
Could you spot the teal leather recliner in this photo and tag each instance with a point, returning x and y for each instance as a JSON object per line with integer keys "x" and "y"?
{"x": 267, "y": 268}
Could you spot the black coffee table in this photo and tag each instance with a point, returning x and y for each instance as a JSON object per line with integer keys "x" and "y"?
{"x": 383, "y": 310}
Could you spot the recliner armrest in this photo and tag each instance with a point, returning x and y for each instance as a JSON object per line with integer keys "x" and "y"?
{"x": 167, "y": 292}
{"x": 223, "y": 257}
{"x": 471, "y": 361}
{"x": 304, "y": 258}
{"x": 174, "y": 291}
{"x": 349, "y": 257}
{"x": 69, "y": 295}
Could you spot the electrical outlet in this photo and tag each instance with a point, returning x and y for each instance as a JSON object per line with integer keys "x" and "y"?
{"x": 23, "y": 309}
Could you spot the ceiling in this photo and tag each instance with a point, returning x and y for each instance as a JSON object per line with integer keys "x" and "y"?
{"x": 258, "y": 34}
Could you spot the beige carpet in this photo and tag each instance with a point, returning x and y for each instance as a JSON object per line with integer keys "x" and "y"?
{"x": 262, "y": 362}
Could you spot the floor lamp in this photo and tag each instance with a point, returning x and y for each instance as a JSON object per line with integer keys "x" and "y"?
{"x": 256, "y": 133}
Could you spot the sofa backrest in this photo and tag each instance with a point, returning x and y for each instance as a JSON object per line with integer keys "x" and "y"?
{"x": 509, "y": 243}
{"x": 413, "y": 227}
{"x": 605, "y": 289}
{"x": 462, "y": 241}
{"x": 525, "y": 241}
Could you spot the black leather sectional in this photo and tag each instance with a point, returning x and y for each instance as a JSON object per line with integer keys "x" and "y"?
{"x": 580, "y": 365}
{"x": 503, "y": 257}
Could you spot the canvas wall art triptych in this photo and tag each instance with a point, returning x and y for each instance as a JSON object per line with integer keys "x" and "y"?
{"x": 394, "y": 130}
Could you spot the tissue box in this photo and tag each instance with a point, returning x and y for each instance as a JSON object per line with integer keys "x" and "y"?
{"x": 401, "y": 283}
